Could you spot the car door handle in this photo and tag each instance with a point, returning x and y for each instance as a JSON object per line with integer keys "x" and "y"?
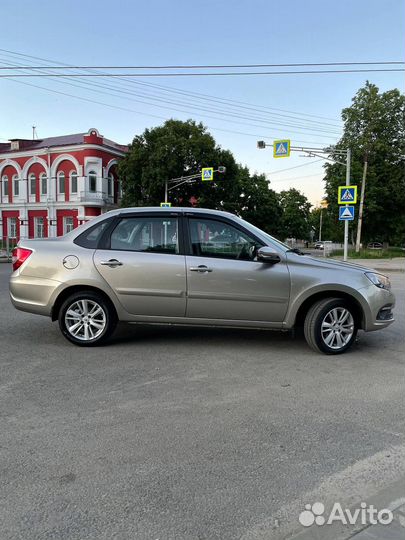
{"x": 112, "y": 263}
{"x": 202, "y": 269}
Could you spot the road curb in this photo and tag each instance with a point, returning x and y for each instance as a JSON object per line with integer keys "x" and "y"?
{"x": 392, "y": 498}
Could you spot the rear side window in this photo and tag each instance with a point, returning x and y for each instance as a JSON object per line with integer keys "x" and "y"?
{"x": 147, "y": 234}
{"x": 91, "y": 237}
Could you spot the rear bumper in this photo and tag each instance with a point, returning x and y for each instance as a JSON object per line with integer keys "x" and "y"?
{"x": 32, "y": 294}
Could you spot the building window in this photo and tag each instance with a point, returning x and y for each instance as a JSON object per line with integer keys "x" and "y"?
{"x": 16, "y": 185}
{"x": 39, "y": 227}
{"x": 61, "y": 183}
{"x": 73, "y": 182}
{"x": 68, "y": 224}
{"x": 110, "y": 185}
{"x": 33, "y": 184}
{"x": 92, "y": 182}
{"x": 5, "y": 186}
{"x": 44, "y": 184}
{"x": 12, "y": 227}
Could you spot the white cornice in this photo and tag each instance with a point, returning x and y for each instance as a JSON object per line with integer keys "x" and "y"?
{"x": 62, "y": 149}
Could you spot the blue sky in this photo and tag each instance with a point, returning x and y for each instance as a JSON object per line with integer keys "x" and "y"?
{"x": 202, "y": 32}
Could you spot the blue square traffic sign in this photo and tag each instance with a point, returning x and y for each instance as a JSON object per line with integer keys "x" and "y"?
{"x": 346, "y": 213}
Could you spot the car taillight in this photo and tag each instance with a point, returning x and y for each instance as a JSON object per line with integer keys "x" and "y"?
{"x": 20, "y": 255}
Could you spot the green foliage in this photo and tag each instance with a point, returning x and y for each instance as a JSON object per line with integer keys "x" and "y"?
{"x": 178, "y": 149}
{"x": 374, "y": 127}
{"x": 295, "y": 214}
{"x": 388, "y": 253}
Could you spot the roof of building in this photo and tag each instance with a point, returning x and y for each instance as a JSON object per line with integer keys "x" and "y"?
{"x": 62, "y": 140}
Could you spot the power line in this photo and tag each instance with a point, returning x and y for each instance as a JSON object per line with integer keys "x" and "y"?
{"x": 88, "y": 100}
{"x": 296, "y": 167}
{"x": 208, "y": 74}
{"x": 215, "y": 111}
{"x": 198, "y": 95}
{"x": 216, "y": 66}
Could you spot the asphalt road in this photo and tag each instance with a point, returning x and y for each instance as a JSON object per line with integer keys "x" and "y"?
{"x": 172, "y": 433}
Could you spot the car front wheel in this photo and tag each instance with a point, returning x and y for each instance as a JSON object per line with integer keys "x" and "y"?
{"x": 86, "y": 319}
{"x": 330, "y": 326}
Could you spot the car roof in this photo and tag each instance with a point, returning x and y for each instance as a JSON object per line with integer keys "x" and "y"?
{"x": 172, "y": 209}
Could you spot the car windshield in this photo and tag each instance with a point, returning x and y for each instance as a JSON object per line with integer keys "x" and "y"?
{"x": 281, "y": 245}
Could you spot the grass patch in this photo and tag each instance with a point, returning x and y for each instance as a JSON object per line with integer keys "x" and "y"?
{"x": 365, "y": 253}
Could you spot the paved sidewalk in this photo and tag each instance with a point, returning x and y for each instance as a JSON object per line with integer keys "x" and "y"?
{"x": 391, "y": 498}
{"x": 394, "y": 531}
{"x": 397, "y": 264}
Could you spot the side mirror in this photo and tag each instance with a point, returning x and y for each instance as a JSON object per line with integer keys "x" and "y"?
{"x": 267, "y": 255}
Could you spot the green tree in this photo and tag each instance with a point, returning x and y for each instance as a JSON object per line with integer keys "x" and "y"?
{"x": 374, "y": 127}
{"x": 295, "y": 214}
{"x": 178, "y": 149}
{"x": 173, "y": 150}
{"x": 258, "y": 203}
{"x": 329, "y": 231}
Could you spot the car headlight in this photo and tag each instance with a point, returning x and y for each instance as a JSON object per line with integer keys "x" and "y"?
{"x": 379, "y": 280}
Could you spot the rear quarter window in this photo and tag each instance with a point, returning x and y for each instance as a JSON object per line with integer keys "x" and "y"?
{"x": 91, "y": 237}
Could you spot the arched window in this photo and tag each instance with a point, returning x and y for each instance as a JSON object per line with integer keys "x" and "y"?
{"x": 33, "y": 183}
{"x": 61, "y": 183}
{"x": 73, "y": 182}
{"x": 16, "y": 185}
{"x": 92, "y": 182}
{"x": 4, "y": 182}
{"x": 110, "y": 186}
{"x": 44, "y": 184}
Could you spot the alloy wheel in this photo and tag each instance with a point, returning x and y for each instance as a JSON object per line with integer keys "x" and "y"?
{"x": 337, "y": 328}
{"x": 85, "y": 320}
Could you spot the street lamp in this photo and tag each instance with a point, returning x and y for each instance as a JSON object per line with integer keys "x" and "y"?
{"x": 187, "y": 180}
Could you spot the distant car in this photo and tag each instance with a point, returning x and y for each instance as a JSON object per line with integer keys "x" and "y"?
{"x": 323, "y": 244}
{"x": 194, "y": 267}
{"x": 374, "y": 245}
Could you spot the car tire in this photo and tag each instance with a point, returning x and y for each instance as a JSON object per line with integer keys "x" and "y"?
{"x": 87, "y": 319}
{"x": 330, "y": 326}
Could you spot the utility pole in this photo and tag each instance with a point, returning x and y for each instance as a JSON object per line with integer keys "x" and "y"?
{"x": 346, "y": 235}
{"x": 320, "y": 225}
{"x": 363, "y": 191}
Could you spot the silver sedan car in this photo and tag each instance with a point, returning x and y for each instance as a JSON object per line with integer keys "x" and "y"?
{"x": 188, "y": 266}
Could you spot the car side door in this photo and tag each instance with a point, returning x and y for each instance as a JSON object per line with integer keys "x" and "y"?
{"x": 143, "y": 263}
{"x": 224, "y": 278}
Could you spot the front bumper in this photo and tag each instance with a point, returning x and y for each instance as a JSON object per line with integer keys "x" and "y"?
{"x": 379, "y": 312}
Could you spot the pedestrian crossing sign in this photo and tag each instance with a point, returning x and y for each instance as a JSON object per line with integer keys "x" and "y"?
{"x": 347, "y": 195}
{"x": 346, "y": 213}
{"x": 207, "y": 174}
{"x": 281, "y": 148}
{"x": 165, "y": 204}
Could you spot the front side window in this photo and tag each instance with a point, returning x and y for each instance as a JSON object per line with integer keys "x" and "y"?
{"x": 44, "y": 184}
{"x": 92, "y": 182}
{"x": 73, "y": 182}
{"x": 61, "y": 183}
{"x": 39, "y": 227}
{"x": 147, "y": 234}
{"x": 212, "y": 238}
{"x": 33, "y": 184}
{"x": 5, "y": 186}
{"x": 16, "y": 185}
{"x": 12, "y": 227}
{"x": 68, "y": 224}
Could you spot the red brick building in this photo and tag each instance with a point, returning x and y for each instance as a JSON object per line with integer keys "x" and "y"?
{"x": 49, "y": 186}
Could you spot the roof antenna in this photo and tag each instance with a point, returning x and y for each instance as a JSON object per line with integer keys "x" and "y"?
{"x": 34, "y": 133}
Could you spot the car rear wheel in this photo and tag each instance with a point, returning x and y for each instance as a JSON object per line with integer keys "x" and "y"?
{"x": 330, "y": 326}
{"x": 86, "y": 319}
